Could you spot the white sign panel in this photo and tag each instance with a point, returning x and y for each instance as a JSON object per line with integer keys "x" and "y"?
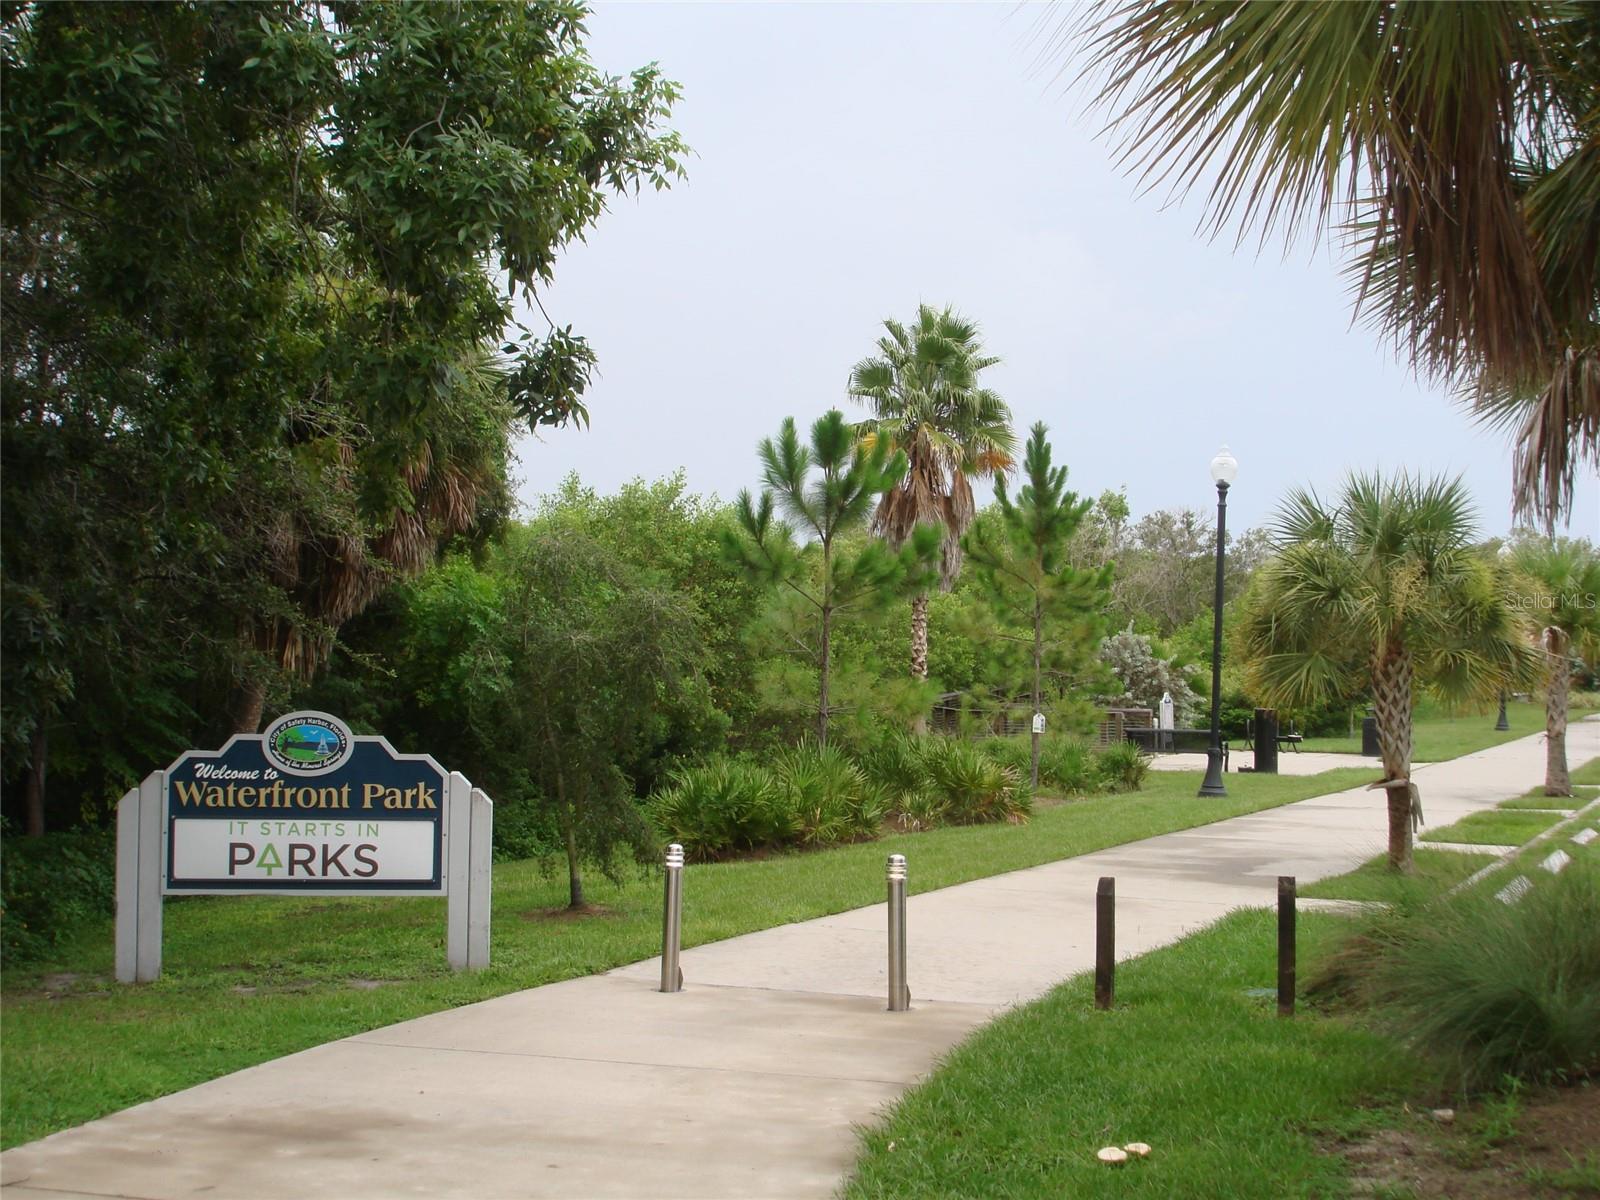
{"x": 267, "y": 851}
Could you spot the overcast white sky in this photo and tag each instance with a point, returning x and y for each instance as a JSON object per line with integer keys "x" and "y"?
{"x": 852, "y": 161}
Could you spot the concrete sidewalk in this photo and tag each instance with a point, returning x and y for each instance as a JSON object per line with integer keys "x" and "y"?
{"x": 748, "y": 1083}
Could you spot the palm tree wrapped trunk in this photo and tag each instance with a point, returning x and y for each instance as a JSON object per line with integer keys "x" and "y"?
{"x": 1556, "y": 780}
{"x": 1392, "y": 678}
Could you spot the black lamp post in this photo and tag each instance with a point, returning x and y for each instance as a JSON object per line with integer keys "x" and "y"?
{"x": 1501, "y": 724}
{"x": 1224, "y": 469}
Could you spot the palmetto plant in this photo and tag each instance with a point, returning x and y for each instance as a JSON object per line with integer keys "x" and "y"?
{"x": 922, "y": 387}
{"x": 1384, "y": 587}
{"x": 1455, "y": 146}
{"x": 1558, "y": 584}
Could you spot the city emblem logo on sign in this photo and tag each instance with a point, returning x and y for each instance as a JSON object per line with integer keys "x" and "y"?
{"x": 307, "y": 743}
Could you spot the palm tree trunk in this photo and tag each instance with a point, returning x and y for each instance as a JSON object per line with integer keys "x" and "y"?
{"x": 1391, "y": 698}
{"x": 919, "y": 650}
{"x": 919, "y": 636}
{"x": 1556, "y": 780}
{"x": 250, "y": 698}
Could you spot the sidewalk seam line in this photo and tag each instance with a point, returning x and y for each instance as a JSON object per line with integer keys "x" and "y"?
{"x": 626, "y": 1062}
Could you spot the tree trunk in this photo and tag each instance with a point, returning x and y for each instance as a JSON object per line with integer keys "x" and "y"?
{"x": 569, "y": 830}
{"x": 38, "y": 757}
{"x": 1556, "y": 780}
{"x": 1038, "y": 690}
{"x": 919, "y": 651}
{"x": 1391, "y": 697}
{"x": 822, "y": 676}
{"x": 919, "y": 636}
{"x": 249, "y": 699}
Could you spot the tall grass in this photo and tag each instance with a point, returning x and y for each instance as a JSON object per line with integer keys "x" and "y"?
{"x": 1489, "y": 990}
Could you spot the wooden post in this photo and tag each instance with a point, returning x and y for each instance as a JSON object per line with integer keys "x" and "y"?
{"x": 1105, "y": 941}
{"x": 1286, "y": 895}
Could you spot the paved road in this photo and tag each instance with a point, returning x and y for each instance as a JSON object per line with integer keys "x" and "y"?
{"x": 749, "y": 1082}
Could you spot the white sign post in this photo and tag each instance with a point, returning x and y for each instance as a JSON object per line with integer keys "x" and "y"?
{"x": 305, "y": 808}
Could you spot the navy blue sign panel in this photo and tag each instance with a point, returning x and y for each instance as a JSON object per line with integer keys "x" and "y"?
{"x": 305, "y": 807}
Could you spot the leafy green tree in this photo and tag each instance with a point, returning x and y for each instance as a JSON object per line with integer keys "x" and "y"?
{"x": 1558, "y": 585}
{"x": 850, "y": 476}
{"x": 588, "y": 650}
{"x": 258, "y": 272}
{"x": 927, "y": 402}
{"x": 1385, "y": 587}
{"x": 1022, "y": 561}
{"x": 1451, "y": 144}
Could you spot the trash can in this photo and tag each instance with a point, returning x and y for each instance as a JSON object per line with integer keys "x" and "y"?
{"x": 1266, "y": 741}
{"x": 1369, "y": 737}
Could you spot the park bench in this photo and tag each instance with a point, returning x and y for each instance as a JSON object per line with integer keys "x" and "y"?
{"x": 1289, "y": 738}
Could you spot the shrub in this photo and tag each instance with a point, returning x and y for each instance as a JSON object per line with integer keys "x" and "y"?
{"x": 830, "y": 798}
{"x": 51, "y": 885}
{"x": 894, "y": 764}
{"x": 721, "y": 807}
{"x": 1491, "y": 990}
{"x": 1016, "y": 753}
{"x": 1123, "y": 767}
{"x": 1068, "y": 765}
{"x": 973, "y": 788}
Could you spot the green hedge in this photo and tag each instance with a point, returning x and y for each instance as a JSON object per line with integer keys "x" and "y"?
{"x": 49, "y": 886}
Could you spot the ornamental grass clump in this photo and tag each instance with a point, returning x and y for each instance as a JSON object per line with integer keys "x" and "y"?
{"x": 1122, "y": 767}
{"x": 723, "y": 807}
{"x": 1492, "y": 991}
{"x": 829, "y": 797}
{"x": 1068, "y": 765}
{"x": 975, "y": 789}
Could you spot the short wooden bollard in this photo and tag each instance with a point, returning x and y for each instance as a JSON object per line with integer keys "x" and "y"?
{"x": 1105, "y": 941}
{"x": 1286, "y": 894}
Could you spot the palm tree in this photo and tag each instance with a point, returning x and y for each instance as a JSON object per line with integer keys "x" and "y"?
{"x": 1384, "y": 587}
{"x": 331, "y": 563}
{"x": 1559, "y": 582}
{"x": 1454, "y": 146}
{"x": 922, "y": 387}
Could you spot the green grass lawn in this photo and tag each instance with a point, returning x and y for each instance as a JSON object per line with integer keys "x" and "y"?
{"x": 1588, "y": 774}
{"x": 1231, "y": 1098}
{"x": 1497, "y": 827}
{"x": 247, "y": 979}
{"x": 1372, "y": 880}
{"x": 1536, "y": 799}
{"x": 1437, "y": 736}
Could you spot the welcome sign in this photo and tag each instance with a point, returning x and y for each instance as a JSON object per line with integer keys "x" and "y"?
{"x": 307, "y": 806}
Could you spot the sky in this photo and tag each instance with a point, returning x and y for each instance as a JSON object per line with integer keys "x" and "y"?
{"x": 852, "y": 161}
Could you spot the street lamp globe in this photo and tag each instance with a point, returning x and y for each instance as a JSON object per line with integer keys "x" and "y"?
{"x": 1224, "y": 467}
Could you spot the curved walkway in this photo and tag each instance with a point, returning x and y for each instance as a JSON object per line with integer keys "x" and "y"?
{"x": 746, "y": 1084}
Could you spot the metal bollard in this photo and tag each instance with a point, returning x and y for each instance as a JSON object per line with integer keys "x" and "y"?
{"x": 1286, "y": 906}
{"x": 899, "y": 992}
{"x": 672, "y": 922}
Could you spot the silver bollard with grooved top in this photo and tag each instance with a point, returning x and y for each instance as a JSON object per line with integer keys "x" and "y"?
{"x": 672, "y": 922}
{"x": 899, "y": 992}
